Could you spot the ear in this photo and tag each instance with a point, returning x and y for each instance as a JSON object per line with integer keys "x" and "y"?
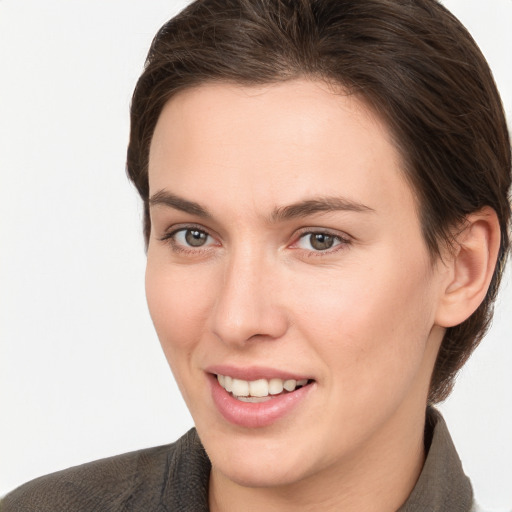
{"x": 470, "y": 267}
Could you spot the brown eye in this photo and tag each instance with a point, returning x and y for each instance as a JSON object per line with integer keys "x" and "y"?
{"x": 195, "y": 238}
{"x": 189, "y": 240}
{"x": 321, "y": 241}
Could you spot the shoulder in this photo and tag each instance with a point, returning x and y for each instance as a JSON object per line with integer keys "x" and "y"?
{"x": 110, "y": 484}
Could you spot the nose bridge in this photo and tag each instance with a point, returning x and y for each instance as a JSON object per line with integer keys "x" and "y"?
{"x": 247, "y": 305}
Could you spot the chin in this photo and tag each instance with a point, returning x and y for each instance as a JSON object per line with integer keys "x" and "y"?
{"x": 256, "y": 461}
{"x": 260, "y": 474}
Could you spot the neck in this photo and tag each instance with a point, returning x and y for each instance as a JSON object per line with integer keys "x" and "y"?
{"x": 378, "y": 479}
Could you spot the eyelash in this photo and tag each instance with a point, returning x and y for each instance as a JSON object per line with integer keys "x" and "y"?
{"x": 170, "y": 238}
{"x": 340, "y": 241}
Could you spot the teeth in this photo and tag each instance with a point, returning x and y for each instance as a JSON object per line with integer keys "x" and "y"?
{"x": 289, "y": 385}
{"x": 275, "y": 386}
{"x": 258, "y": 387}
{"x": 253, "y": 399}
{"x": 240, "y": 387}
{"x": 228, "y": 383}
{"x": 257, "y": 390}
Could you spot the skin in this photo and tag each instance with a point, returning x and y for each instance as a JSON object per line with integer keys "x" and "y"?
{"x": 361, "y": 319}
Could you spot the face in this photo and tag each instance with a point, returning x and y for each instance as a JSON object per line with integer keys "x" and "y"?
{"x": 286, "y": 251}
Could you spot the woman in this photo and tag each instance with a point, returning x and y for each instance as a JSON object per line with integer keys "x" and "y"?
{"x": 326, "y": 214}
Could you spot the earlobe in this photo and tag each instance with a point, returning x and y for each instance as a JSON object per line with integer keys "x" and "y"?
{"x": 471, "y": 267}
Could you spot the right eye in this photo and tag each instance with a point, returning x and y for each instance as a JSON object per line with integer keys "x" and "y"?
{"x": 188, "y": 239}
{"x": 191, "y": 237}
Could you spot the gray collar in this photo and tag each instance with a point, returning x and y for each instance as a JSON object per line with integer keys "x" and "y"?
{"x": 442, "y": 485}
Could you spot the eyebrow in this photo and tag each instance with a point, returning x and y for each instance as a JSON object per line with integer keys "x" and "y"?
{"x": 296, "y": 210}
{"x": 165, "y": 198}
{"x": 318, "y": 205}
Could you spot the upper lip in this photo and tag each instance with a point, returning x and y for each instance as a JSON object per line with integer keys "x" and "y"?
{"x": 251, "y": 373}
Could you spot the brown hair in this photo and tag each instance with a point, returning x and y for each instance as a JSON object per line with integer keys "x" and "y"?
{"x": 411, "y": 60}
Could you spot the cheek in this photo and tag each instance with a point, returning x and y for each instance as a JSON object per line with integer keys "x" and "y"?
{"x": 369, "y": 321}
{"x": 178, "y": 303}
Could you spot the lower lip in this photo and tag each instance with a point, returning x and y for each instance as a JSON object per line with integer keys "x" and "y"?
{"x": 255, "y": 415}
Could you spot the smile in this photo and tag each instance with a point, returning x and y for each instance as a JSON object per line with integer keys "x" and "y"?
{"x": 259, "y": 390}
{"x": 258, "y": 402}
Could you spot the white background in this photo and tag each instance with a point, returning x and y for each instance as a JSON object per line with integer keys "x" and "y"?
{"x": 81, "y": 371}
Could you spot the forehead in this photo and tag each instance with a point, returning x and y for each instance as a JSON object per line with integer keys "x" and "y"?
{"x": 272, "y": 144}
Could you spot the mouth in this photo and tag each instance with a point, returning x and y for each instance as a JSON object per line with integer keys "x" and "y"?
{"x": 260, "y": 390}
{"x": 261, "y": 401}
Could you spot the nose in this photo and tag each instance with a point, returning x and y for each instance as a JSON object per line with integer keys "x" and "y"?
{"x": 248, "y": 305}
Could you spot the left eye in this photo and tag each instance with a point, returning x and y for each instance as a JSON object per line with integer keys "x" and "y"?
{"x": 192, "y": 237}
{"x": 318, "y": 241}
